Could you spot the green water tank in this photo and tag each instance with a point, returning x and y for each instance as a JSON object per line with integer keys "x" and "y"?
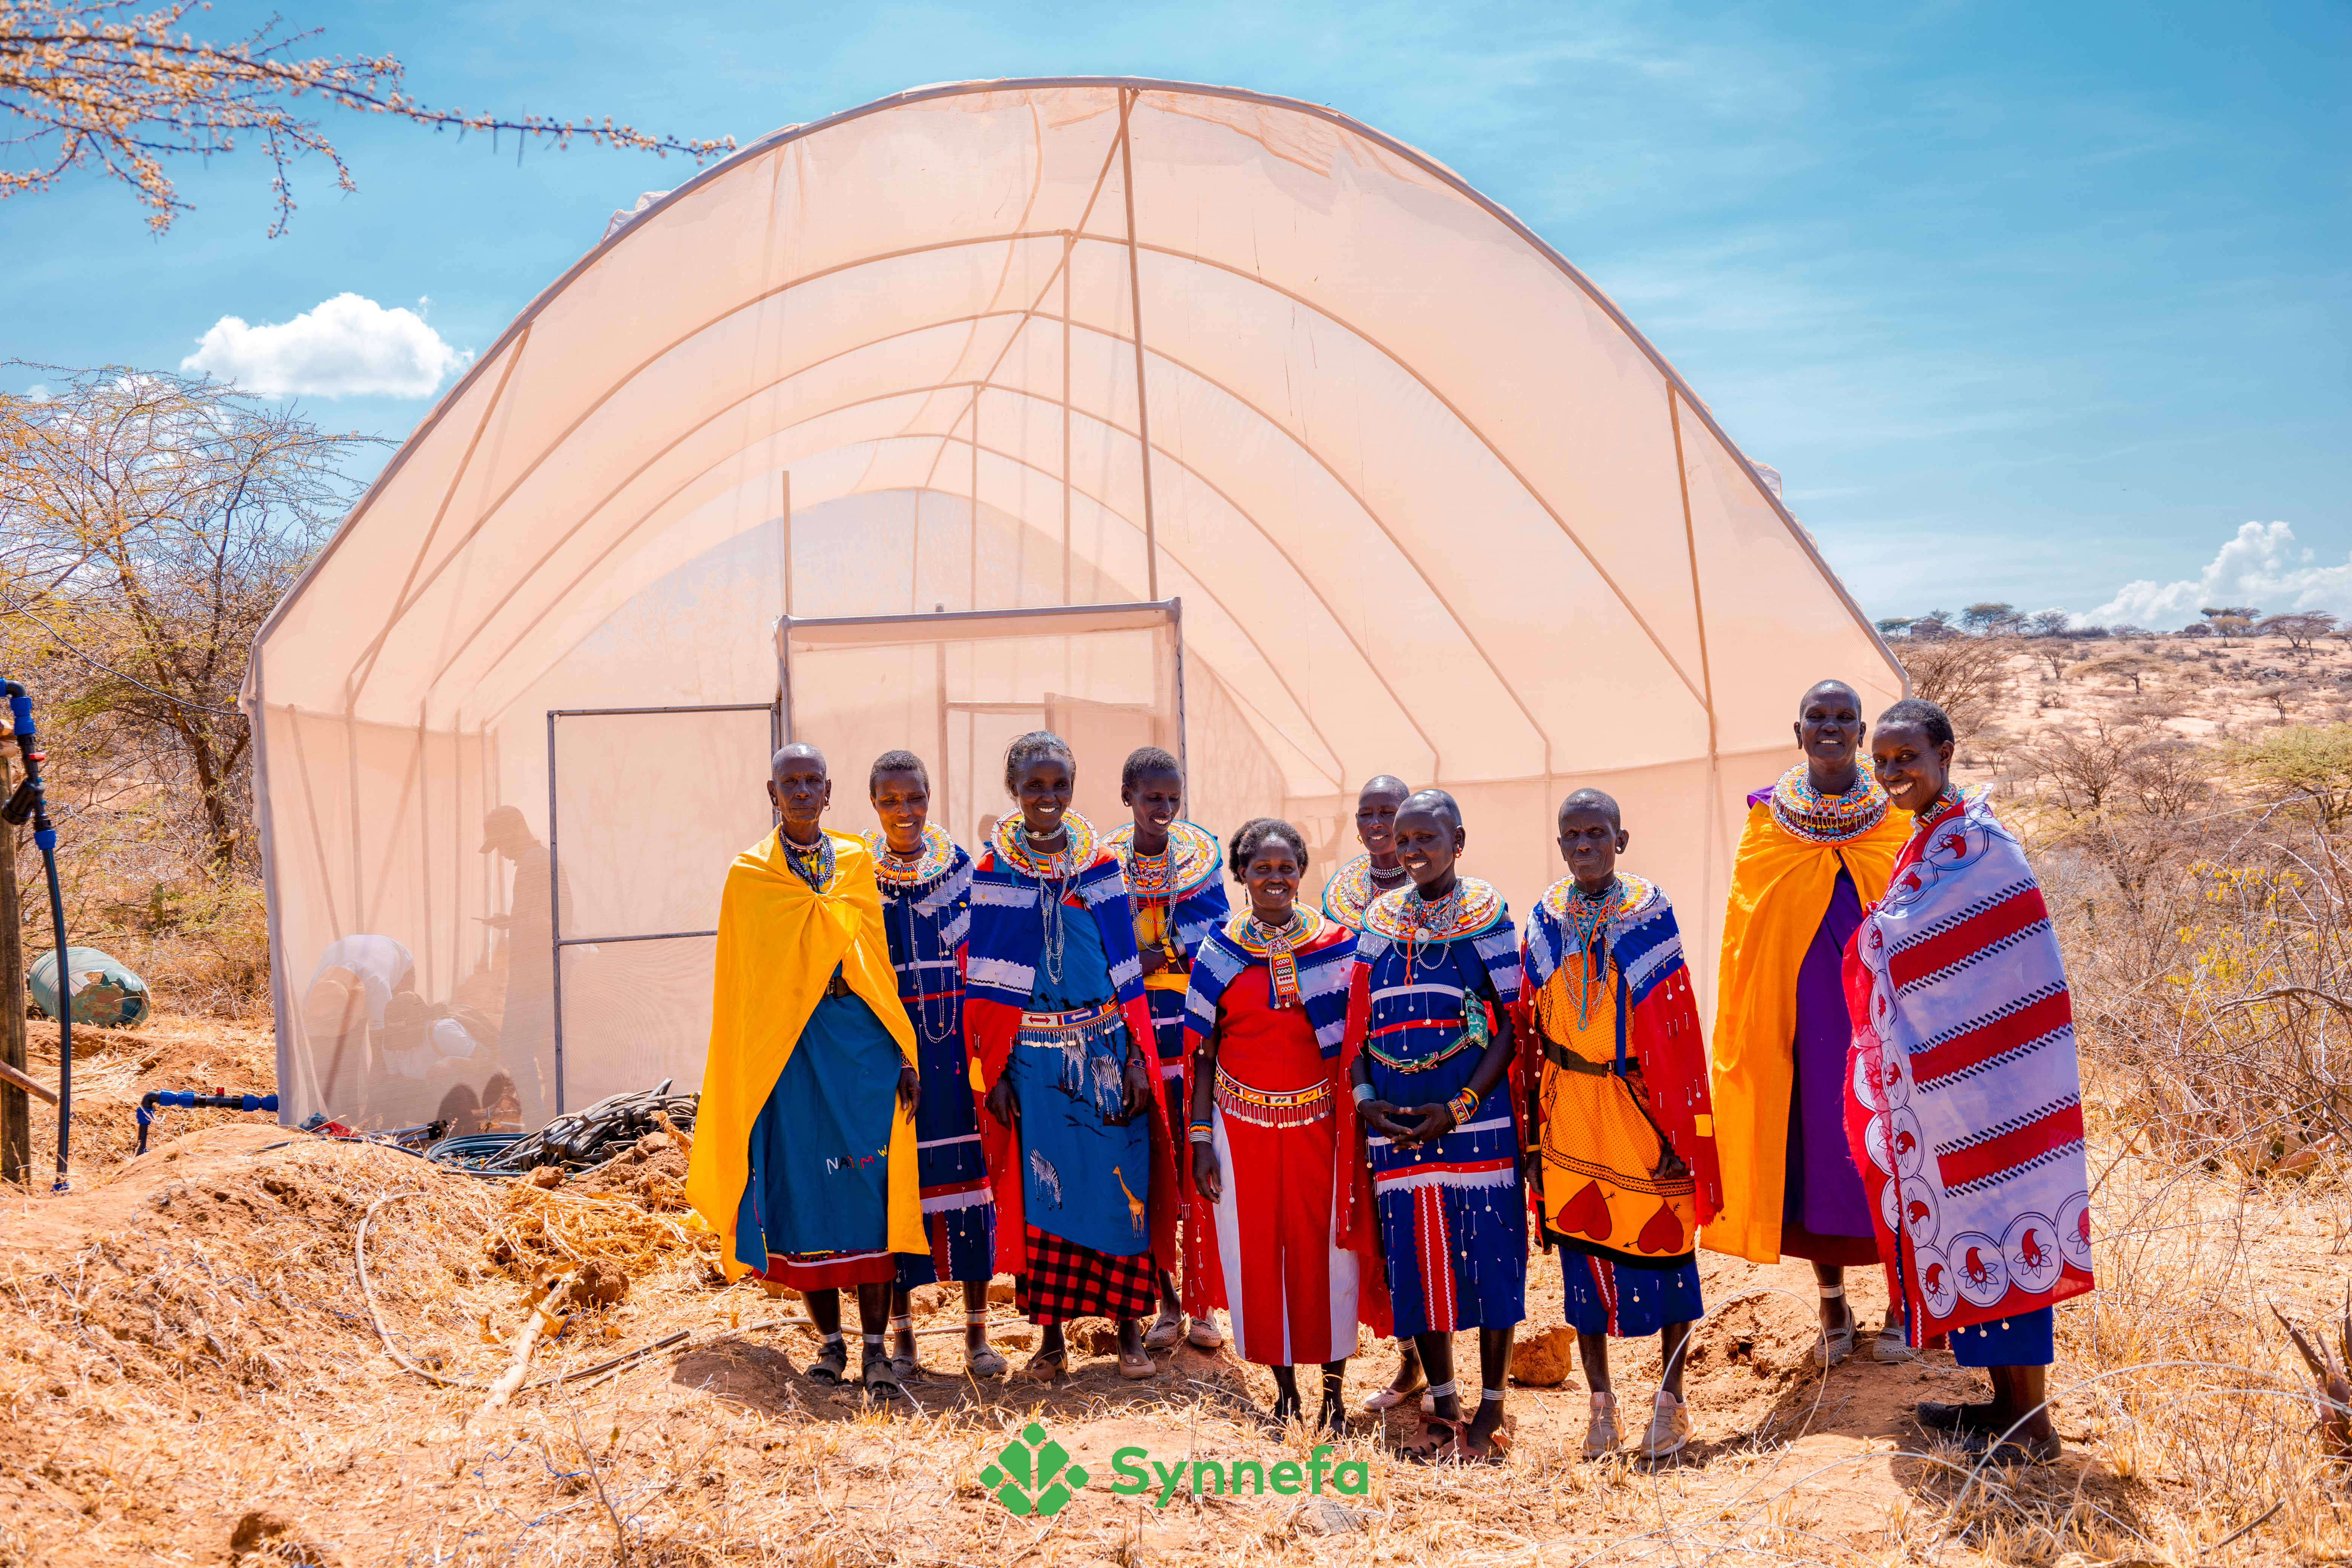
{"x": 107, "y": 993}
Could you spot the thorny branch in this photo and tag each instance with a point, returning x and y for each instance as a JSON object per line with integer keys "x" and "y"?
{"x": 105, "y": 87}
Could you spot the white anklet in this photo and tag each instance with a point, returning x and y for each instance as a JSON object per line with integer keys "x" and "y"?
{"x": 1439, "y": 1390}
{"x": 1833, "y": 1292}
{"x": 1490, "y": 1395}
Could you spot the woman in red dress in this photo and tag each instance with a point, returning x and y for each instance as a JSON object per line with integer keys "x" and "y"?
{"x": 1285, "y": 1241}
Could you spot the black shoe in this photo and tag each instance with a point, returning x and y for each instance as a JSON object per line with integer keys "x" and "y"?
{"x": 1938, "y": 1416}
{"x": 2017, "y": 1450}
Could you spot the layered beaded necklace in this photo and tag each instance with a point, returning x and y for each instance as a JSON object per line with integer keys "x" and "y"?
{"x": 1055, "y": 871}
{"x": 1588, "y": 914}
{"x": 813, "y": 863}
{"x": 903, "y": 873}
{"x": 1276, "y": 945}
{"x": 1817, "y": 818}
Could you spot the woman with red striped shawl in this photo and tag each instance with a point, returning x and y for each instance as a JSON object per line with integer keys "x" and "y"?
{"x": 1964, "y": 1098}
{"x": 1279, "y": 1231}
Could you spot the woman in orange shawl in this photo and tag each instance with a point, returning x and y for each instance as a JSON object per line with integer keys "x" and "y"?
{"x": 1818, "y": 849}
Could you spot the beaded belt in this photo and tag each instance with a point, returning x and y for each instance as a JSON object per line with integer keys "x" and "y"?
{"x": 1076, "y": 1018}
{"x": 1461, "y": 1042}
{"x": 1272, "y": 1108}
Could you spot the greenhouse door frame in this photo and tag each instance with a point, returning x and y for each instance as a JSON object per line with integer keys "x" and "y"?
{"x": 937, "y": 627}
{"x": 776, "y": 712}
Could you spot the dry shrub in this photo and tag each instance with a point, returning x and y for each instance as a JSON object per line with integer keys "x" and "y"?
{"x": 1964, "y": 676}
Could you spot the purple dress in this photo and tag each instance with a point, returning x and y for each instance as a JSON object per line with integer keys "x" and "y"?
{"x": 1824, "y": 1214}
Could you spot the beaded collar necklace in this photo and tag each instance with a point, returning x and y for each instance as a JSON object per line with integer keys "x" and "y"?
{"x": 1191, "y": 858}
{"x": 894, "y": 870}
{"x": 1950, "y": 798}
{"x": 1275, "y": 944}
{"x": 1407, "y": 917}
{"x": 1817, "y": 818}
{"x": 1355, "y": 885}
{"x": 1080, "y": 842}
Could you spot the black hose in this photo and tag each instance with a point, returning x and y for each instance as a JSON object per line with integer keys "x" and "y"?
{"x": 31, "y": 801}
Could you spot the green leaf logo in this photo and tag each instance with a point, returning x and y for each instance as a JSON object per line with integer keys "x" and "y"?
{"x": 1033, "y": 1474}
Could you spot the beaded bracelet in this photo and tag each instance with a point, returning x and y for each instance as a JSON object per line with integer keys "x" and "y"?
{"x": 1463, "y": 1105}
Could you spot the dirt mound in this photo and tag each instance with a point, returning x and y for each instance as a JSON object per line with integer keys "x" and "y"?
{"x": 1544, "y": 1358}
{"x": 652, "y": 1170}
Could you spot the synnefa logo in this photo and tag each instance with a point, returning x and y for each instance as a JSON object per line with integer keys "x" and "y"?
{"x": 1033, "y": 1474}
{"x": 1210, "y": 1478}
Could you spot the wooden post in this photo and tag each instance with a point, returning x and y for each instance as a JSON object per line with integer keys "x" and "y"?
{"x": 16, "y": 1107}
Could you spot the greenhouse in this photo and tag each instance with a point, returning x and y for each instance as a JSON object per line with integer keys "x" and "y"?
{"x": 1140, "y": 412}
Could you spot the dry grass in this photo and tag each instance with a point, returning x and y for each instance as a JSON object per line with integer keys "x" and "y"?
{"x": 183, "y": 1343}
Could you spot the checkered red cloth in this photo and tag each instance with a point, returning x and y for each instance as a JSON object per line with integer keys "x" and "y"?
{"x": 1065, "y": 1280}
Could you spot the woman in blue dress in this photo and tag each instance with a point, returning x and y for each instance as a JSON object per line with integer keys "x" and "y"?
{"x": 1430, "y": 1050}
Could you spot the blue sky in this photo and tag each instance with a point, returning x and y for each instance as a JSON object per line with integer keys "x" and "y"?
{"x": 2026, "y": 301}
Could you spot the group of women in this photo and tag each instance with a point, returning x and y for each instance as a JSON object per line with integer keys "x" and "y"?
{"x": 1374, "y": 1095}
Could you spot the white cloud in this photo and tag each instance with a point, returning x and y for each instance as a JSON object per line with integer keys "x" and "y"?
{"x": 2261, "y": 566}
{"x": 348, "y": 346}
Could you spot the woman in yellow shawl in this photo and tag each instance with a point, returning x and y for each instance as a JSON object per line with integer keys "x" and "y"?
{"x": 1817, "y": 851}
{"x": 803, "y": 1160}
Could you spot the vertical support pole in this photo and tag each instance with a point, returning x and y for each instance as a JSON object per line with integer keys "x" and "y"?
{"x": 946, "y": 778}
{"x": 1070, "y": 247}
{"x": 1183, "y": 765}
{"x": 554, "y": 919}
{"x": 15, "y": 1106}
{"x": 787, "y": 516}
{"x": 1134, "y": 314}
{"x": 781, "y": 727}
{"x": 972, "y": 523}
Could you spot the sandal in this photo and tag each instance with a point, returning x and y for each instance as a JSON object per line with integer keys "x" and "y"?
{"x": 985, "y": 1362}
{"x": 880, "y": 1382}
{"x": 1389, "y": 1398}
{"x": 1204, "y": 1335}
{"x": 1834, "y": 1346}
{"x": 1047, "y": 1366}
{"x": 832, "y": 1364}
{"x": 1441, "y": 1440}
{"x": 1165, "y": 1332}
{"x": 1136, "y": 1366}
{"x": 1497, "y": 1448}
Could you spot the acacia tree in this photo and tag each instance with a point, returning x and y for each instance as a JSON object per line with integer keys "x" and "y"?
{"x": 106, "y": 87}
{"x": 2301, "y": 629}
{"x": 148, "y": 524}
